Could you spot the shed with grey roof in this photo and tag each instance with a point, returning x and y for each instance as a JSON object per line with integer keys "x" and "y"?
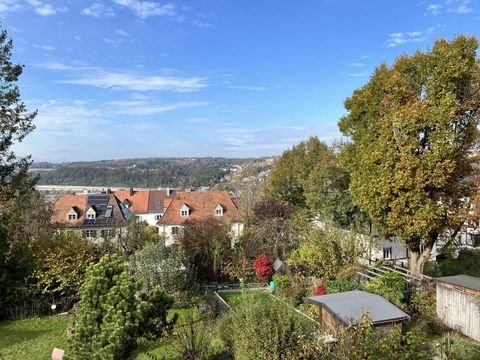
{"x": 347, "y": 308}
{"x": 458, "y": 303}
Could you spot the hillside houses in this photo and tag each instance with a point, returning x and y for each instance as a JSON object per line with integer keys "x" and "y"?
{"x": 148, "y": 205}
{"x": 95, "y": 216}
{"x": 187, "y": 206}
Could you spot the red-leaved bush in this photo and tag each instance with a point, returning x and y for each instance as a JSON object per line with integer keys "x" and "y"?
{"x": 320, "y": 289}
{"x": 263, "y": 266}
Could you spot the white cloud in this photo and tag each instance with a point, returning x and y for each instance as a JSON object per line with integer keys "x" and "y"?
{"x": 356, "y": 64}
{"x": 48, "y": 47}
{"x": 451, "y": 6}
{"x": 146, "y": 108}
{"x": 402, "y": 38}
{"x": 144, "y": 9}
{"x": 129, "y": 81}
{"x": 10, "y": 6}
{"x": 435, "y": 9}
{"x": 121, "y": 32}
{"x": 249, "y": 87}
{"x": 45, "y": 10}
{"x": 359, "y": 74}
{"x": 98, "y": 9}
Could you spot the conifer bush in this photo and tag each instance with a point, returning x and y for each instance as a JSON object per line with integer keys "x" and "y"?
{"x": 111, "y": 315}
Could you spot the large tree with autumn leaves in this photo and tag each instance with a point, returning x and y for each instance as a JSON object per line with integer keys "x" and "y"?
{"x": 413, "y": 132}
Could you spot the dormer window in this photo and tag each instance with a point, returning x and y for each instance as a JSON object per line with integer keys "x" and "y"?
{"x": 219, "y": 210}
{"x": 126, "y": 203}
{"x": 72, "y": 215}
{"x": 91, "y": 213}
{"x": 184, "y": 211}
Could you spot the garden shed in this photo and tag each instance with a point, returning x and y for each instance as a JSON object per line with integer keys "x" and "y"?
{"x": 347, "y": 308}
{"x": 458, "y": 304}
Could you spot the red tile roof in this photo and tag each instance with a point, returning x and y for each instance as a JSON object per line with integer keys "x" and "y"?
{"x": 144, "y": 201}
{"x": 202, "y": 205}
{"x": 62, "y": 206}
{"x": 138, "y": 201}
{"x": 80, "y": 203}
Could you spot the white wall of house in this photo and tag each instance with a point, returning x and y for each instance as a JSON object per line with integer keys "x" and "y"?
{"x": 170, "y": 231}
{"x": 150, "y": 218}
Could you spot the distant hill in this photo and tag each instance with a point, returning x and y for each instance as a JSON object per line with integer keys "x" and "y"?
{"x": 149, "y": 172}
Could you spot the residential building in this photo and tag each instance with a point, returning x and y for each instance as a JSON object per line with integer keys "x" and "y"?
{"x": 95, "y": 216}
{"x": 199, "y": 205}
{"x": 148, "y": 205}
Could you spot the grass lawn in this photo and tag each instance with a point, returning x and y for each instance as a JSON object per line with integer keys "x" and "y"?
{"x": 232, "y": 296}
{"x": 33, "y": 338}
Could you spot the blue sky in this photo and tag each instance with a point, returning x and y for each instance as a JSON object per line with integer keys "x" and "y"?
{"x": 130, "y": 78}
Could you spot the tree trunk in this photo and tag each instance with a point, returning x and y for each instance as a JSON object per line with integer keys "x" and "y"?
{"x": 418, "y": 260}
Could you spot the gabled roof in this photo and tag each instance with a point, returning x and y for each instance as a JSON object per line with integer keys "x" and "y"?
{"x": 81, "y": 204}
{"x": 144, "y": 201}
{"x": 202, "y": 205}
{"x": 138, "y": 201}
{"x": 349, "y": 307}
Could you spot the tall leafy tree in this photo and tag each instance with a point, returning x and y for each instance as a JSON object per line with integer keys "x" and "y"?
{"x": 15, "y": 124}
{"x": 310, "y": 176}
{"x": 413, "y": 129}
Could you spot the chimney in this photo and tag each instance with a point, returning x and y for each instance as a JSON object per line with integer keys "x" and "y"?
{"x": 131, "y": 191}
{"x": 109, "y": 191}
{"x": 168, "y": 191}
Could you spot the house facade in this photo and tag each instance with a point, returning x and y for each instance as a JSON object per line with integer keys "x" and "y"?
{"x": 199, "y": 205}
{"x": 98, "y": 217}
{"x": 148, "y": 205}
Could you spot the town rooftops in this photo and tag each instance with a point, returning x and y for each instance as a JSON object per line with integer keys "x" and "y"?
{"x": 89, "y": 210}
{"x": 349, "y": 307}
{"x": 200, "y": 205}
{"x": 144, "y": 201}
{"x": 466, "y": 281}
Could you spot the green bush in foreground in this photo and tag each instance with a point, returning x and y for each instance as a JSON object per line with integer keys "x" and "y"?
{"x": 262, "y": 328}
{"x": 111, "y": 316}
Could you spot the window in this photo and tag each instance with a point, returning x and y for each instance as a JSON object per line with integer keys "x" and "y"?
{"x": 387, "y": 252}
{"x": 184, "y": 213}
{"x": 90, "y": 216}
{"x": 72, "y": 216}
{"x": 90, "y": 233}
{"x": 158, "y": 217}
{"x": 158, "y": 205}
{"x": 175, "y": 230}
{"x": 106, "y": 233}
{"x": 218, "y": 212}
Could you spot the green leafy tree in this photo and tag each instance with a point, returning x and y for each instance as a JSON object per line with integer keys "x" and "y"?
{"x": 61, "y": 264}
{"x": 157, "y": 265}
{"x": 310, "y": 176}
{"x": 112, "y": 316}
{"x": 413, "y": 129}
{"x": 208, "y": 246}
{"x": 15, "y": 123}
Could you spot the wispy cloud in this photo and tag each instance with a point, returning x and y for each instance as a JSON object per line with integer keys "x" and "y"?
{"x": 401, "y": 38}
{"x": 146, "y": 107}
{"x": 435, "y": 9}
{"x": 10, "y": 6}
{"x": 144, "y": 9}
{"x": 451, "y": 6}
{"x": 98, "y": 9}
{"x": 88, "y": 75}
{"x": 249, "y": 87}
{"x": 356, "y": 64}
{"x": 359, "y": 74}
{"x": 45, "y": 9}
